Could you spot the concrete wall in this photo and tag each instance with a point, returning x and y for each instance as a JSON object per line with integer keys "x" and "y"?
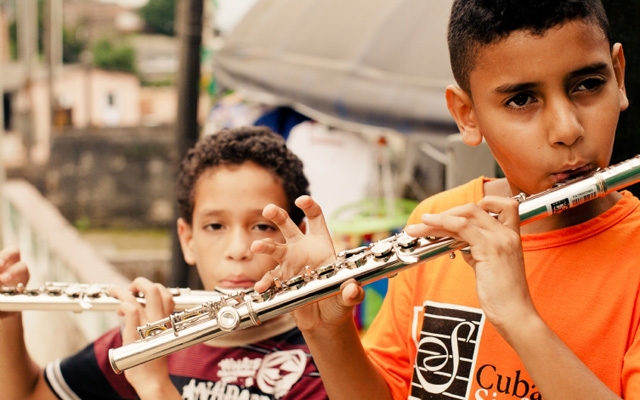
{"x": 119, "y": 177}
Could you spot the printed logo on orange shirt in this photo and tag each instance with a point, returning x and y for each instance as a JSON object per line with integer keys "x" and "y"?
{"x": 447, "y": 348}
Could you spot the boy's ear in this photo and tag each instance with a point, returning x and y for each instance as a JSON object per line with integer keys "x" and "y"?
{"x": 185, "y": 234}
{"x": 461, "y": 109}
{"x": 619, "y": 65}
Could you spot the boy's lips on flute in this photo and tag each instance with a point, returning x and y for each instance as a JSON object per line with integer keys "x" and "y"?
{"x": 572, "y": 173}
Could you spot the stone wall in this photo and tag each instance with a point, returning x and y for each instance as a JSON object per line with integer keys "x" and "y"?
{"x": 119, "y": 177}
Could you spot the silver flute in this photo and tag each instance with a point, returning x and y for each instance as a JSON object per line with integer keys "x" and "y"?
{"x": 79, "y": 297}
{"x": 366, "y": 264}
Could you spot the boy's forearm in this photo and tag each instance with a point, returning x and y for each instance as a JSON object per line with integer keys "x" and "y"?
{"x": 19, "y": 374}
{"x": 556, "y": 370}
{"x": 344, "y": 367}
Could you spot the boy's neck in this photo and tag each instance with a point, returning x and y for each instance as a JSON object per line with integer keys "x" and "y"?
{"x": 574, "y": 216}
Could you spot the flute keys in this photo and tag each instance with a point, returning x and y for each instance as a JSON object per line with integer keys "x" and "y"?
{"x": 228, "y": 318}
{"x": 55, "y": 288}
{"x": 382, "y": 249}
{"x": 348, "y": 253}
{"x": 406, "y": 242}
{"x": 325, "y": 272}
{"x": 355, "y": 261}
{"x": 176, "y": 291}
{"x": 12, "y": 290}
{"x": 150, "y": 330}
{"x": 20, "y": 288}
{"x": 73, "y": 291}
{"x": 296, "y": 282}
{"x": 93, "y": 291}
{"x": 262, "y": 297}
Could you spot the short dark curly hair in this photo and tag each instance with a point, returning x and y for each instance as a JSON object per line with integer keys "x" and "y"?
{"x": 474, "y": 24}
{"x": 237, "y": 146}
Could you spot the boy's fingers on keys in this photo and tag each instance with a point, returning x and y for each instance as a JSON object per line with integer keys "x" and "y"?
{"x": 281, "y": 218}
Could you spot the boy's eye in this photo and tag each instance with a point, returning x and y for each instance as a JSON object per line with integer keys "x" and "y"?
{"x": 265, "y": 228}
{"x": 214, "y": 227}
{"x": 589, "y": 84}
{"x": 520, "y": 100}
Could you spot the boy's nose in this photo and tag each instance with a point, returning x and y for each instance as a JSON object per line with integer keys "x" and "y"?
{"x": 563, "y": 124}
{"x": 239, "y": 245}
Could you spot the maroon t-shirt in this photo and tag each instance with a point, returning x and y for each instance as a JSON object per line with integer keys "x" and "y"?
{"x": 280, "y": 367}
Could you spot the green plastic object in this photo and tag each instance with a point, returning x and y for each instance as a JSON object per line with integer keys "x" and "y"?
{"x": 371, "y": 216}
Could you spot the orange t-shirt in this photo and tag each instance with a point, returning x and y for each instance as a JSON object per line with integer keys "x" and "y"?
{"x": 432, "y": 341}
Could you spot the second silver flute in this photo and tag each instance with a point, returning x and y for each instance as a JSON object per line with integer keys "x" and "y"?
{"x": 365, "y": 264}
{"x": 80, "y": 297}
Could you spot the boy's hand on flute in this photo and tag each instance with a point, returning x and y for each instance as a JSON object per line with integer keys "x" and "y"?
{"x": 312, "y": 249}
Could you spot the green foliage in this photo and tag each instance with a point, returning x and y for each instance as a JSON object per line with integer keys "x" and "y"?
{"x": 13, "y": 40}
{"x": 72, "y": 46}
{"x": 106, "y": 55}
{"x": 83, "y": 223}
{"x": 13, "y": 33}
{"x": 159, "y": 16}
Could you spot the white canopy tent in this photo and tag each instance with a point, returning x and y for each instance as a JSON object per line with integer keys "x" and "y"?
{"x": 372, "y": 63}
{"x": 367, "y": 66}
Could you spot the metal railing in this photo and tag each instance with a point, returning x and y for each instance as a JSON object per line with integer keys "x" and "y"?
{"x": 54, "y": 251}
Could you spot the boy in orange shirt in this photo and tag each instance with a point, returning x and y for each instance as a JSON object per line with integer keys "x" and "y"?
{"x": 550, "y": 310}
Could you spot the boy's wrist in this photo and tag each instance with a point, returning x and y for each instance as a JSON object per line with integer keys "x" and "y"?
{"x": 325, "y": 331}
{"x": 521, "y": 330}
